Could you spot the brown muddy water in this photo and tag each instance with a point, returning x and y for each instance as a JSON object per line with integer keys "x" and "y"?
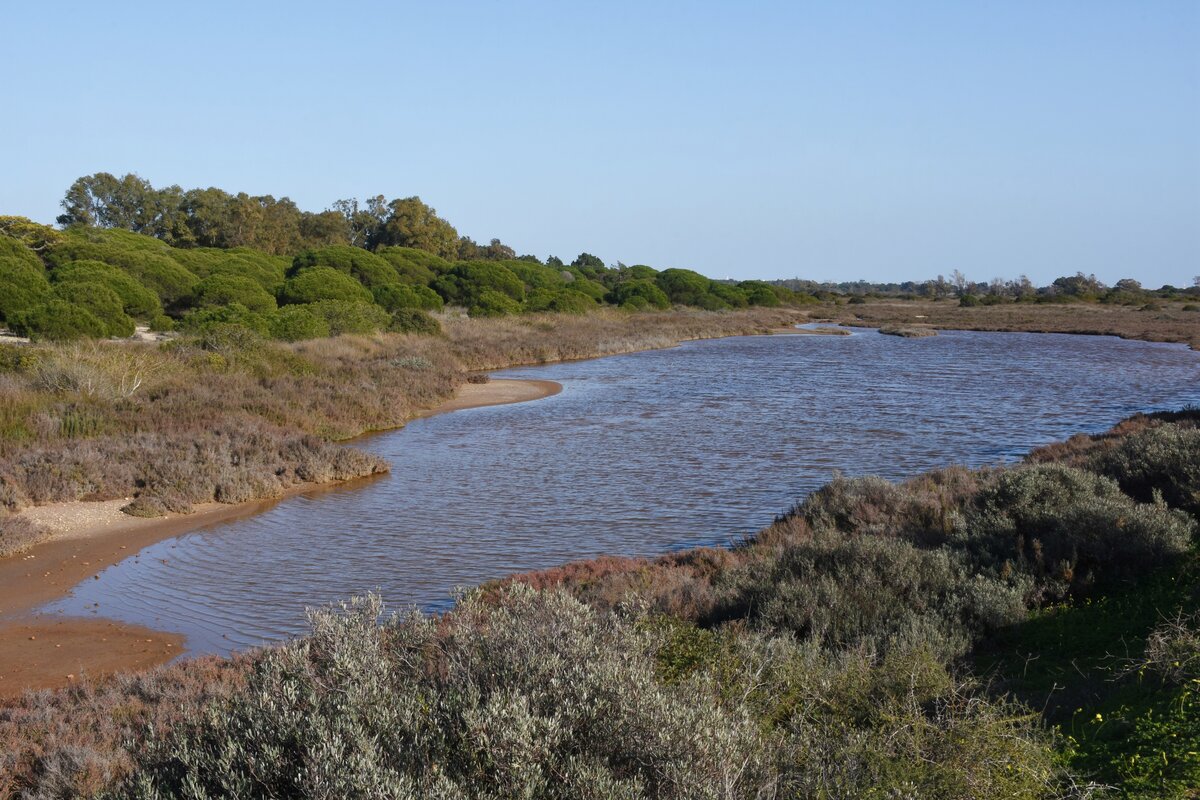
{"x": 640, "y": 454}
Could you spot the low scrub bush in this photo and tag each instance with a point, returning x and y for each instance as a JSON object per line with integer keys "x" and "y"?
{"x": 1160, "y": 462}
{"x": 849, "y": 591}
{"x": 539, "y": 696}
{"x": 411, "y": 320}
{"x": 1071, "y": 528}
{"x": 294, "y": 323}
{"x": 18, "y": 534}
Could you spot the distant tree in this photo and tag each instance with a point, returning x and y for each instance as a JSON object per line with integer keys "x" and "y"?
{"x": 557, "y": 263}
{"x": 129, "y": 203}
{"x": 469, "y": 249}
{"x": 325, "y": 228}
{"x": 364, "y": 222}
{"x": 411, "y": 223}
{"x": 587, "y": 261}
{"x": 960, "y": 283}
{"x": 1128, "y": 285}
{"x": 1078, "y": 285}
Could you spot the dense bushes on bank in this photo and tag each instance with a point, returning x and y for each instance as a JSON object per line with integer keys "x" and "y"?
{"x": 158, "y": 285}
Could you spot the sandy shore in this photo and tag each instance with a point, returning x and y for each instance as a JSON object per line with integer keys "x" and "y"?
{"x": 86, "y": 537}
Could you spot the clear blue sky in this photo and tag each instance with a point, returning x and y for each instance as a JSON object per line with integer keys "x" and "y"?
{"x": 748, "y": 139}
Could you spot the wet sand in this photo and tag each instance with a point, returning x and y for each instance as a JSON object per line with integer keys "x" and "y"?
{"x": 50, "y": 651}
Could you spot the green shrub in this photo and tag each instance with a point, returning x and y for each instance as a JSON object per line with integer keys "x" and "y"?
{"x": 364, "y": 266}
{"x": 732, "y": 296}
{"x": 412, "y": 320}
{"x": 266, "y": 270}
{"x": 24, "y": 286}
{"x": 1162, "y": 461}
{"x": 563, "y": 301}
{"x": 466, "y": 283}
{"x": 846, "y": 591}
{"x": 57, "y": 320}
{"x": 537, "y": 697}
{"x": 147, "y": 259}
{"x": 494, "y": 304}
{"x": 759, "y": 293}
{"x": 200, "y": 320}
{"x": 1071, "y": 529}
{"x": 646, "y": 290}
{"x": 225, "y": 289}
{"x": 414, "y": 266}
{"x": 635, "y": 304}
{"x": 297, "y": 322}
{"x": 323, "y": 283}
{"x": 394, "y": 296}
{"x": 348, "y": 316}
{"x": 136, "y": 300}
{"x": 684, "y": 287}
{"x": 102, "y": 302}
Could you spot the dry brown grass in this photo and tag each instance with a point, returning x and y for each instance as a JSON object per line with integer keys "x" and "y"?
{"x": 1169, "y": 323}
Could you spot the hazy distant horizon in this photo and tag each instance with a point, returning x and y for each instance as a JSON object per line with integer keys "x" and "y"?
{"x": 763, "y": 140}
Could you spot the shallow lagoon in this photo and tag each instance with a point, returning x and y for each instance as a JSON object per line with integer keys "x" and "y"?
{"x": 639, "y": 454}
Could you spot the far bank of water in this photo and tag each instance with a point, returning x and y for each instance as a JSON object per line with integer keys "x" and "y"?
{"x": 640, "y": 454}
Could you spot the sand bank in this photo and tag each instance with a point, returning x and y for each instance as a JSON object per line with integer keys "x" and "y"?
{"x": 42, "y": 651}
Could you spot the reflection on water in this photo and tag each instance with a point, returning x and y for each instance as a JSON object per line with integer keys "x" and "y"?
{"x": 638, "y": 455}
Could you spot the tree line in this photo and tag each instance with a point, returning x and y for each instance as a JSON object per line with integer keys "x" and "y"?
{"x": 205, "y": 261}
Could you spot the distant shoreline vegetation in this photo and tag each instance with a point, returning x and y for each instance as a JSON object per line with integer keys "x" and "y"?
{"x": 204, "y": 259}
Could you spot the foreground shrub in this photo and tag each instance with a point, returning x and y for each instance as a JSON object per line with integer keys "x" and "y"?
{"x": 394, "y": 296}
{"x": 1071, "y": 528}
{"x": 1163, "y": 461}
{"x": 347, "y": 316}
{"x": 494, "y": 304}
{"x": 363, "y": 265}
{"x": 846, "y": 591}
{"x": 537, "y": 697}
{"x": 25, "y": 286}
{"x": 223, "y": 290}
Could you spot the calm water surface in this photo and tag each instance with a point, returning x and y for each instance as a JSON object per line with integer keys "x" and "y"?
{"x": 639, "y": 454}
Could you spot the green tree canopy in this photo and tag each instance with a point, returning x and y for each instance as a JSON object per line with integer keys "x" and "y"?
{"x": 147, "y": 260}
{"x": 644, "y": 288}
{"x": 411, "y": 223}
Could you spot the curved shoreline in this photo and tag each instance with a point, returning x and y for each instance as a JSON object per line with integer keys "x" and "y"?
{"x": 42, "y": 652}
